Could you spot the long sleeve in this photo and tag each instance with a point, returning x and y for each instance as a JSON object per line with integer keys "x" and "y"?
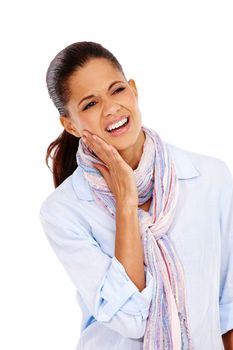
{"x": 102, "y": 282}
{"x": 226, "y": 272}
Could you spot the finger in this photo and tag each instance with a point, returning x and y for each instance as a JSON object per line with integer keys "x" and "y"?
{"x": 104, "y": 172}
{"x": 92, "y": 149}
{"x": 102, "y": 149}
{"x": 87, "y": 144}
{"x": 106, "y": 152}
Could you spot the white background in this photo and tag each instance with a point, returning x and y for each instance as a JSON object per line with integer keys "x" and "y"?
{"x": 180, "y": 55}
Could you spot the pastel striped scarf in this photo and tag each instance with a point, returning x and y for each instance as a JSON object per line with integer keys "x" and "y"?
{"x": 167, "y": 325}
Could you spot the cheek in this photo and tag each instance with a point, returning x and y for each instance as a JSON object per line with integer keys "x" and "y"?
{"x": 90, "y": 123}
{"x": 130, "y": 99}
{"x": 80, "y": 125}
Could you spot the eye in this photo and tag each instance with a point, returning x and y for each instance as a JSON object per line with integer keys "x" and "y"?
{"x": 119, "y": 89}
{"x": 88, "y": 105}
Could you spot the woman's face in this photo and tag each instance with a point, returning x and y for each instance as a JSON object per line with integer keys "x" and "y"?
{"x": 112, "y": 98}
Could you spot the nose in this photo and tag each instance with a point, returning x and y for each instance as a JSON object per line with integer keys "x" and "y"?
{"x": 110, "y": 107}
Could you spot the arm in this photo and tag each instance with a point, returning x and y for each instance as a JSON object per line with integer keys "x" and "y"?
{"x": 226, "y": 271}
{"x": 120, "y": 179}
{"x": 101, "y": 280}
{"x": 128, "y": 245}
{"x": 228, "y": 340}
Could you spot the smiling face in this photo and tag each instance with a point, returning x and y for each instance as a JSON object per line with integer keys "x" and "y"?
{"x": 112, "y": 97}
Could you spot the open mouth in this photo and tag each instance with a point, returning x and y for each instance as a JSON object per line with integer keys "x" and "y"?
{"x": 120, "y": 128}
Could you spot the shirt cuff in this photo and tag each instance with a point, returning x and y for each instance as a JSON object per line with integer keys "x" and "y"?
{"x": 120, "y": 293}
{"x": 226, "y": 317}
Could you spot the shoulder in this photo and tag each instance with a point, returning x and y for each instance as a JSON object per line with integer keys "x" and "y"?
{"x": 207, "y": 166}
{"x": 64, "y": 202}
{"x": 61, "y": 194}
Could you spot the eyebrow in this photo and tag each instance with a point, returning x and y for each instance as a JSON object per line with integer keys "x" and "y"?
{"x": 90, "y": 96}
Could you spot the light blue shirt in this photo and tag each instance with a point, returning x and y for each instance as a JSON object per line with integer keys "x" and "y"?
{"x": 114, "y": 311}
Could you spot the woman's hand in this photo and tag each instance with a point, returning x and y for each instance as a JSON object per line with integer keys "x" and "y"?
{"x": 118, "y": 174}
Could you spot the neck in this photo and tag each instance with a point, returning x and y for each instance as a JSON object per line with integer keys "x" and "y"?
{"x": 132, "y": 155}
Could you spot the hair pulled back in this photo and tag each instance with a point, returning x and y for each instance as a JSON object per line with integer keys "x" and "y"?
{"x": 63, "y": 149}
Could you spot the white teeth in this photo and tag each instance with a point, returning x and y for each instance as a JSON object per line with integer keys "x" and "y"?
{"x": 116, "y": 125}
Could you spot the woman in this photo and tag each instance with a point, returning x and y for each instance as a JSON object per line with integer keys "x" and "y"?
{"x": 143, "y": 228}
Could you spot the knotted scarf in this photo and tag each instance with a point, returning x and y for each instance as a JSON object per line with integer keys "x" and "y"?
{"x": 167, "y": 326}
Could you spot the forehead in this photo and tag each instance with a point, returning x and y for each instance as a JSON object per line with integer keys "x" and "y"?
{"x": 96, "y": 75}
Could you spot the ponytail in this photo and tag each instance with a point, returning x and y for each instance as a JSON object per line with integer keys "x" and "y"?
{"x": 62, "y": 152}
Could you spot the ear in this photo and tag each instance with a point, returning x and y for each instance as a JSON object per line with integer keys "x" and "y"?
{"x": 68, "y": 125}
{"x": 133, "y": 86}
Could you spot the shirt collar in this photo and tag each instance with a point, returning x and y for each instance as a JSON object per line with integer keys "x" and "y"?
{"x": 185, "y": 169}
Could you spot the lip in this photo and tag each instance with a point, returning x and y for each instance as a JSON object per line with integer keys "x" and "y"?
{"x": 116, "y": 121}
{"x": 122, "y": 131}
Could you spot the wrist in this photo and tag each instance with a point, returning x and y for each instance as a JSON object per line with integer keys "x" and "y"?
{"x": 126, "y": 207}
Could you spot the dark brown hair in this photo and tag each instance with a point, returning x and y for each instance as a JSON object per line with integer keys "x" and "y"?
{"x": 62, "y": 151}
